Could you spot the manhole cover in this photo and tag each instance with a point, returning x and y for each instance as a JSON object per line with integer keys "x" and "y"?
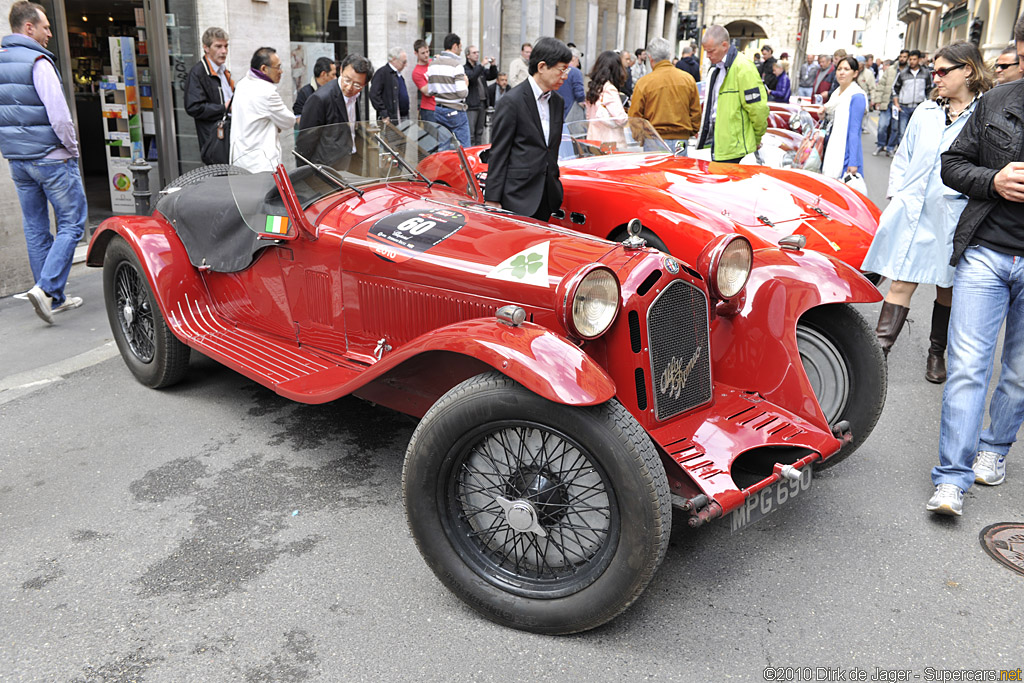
{"x": 1004, "y": 542}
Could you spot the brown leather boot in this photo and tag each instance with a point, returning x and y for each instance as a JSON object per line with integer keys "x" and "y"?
{"x": 890, "y": 322}
{"x": 935, "y": 371}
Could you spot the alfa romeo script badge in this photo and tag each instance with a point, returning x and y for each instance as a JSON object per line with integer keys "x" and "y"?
{"x": 1004, "y": 542}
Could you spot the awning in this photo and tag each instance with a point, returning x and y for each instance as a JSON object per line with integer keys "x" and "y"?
{"x": 953, "y": 18}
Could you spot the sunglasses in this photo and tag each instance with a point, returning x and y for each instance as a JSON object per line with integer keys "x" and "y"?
{"x": 942, "y": 73}
{"x": 1001, "y": 67}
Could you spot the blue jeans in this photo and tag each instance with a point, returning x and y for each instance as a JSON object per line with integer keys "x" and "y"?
{"x": 887, "y": 132}
{"x": 59, "y": 182}
{"x": 427, "y": 115}
{"x": 454, "y": 120}
{"x": 988, "y": 288}
{"x": 906, "y": 111}
{"x": 805, "y": 91}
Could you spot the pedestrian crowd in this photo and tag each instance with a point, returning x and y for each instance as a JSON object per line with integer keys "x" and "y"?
{"x": 956, "y": 185}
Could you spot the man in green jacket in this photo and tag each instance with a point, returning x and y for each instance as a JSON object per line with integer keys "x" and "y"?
{"x": 736, "y": 103}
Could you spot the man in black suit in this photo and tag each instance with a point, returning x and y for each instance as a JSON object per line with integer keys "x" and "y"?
{"x": 388, "y": 92}
{"x": 522, "y": 172}
{"x": 497, "y": 90}
{"x": 323, "y": 73}
{"x": 336, "y": 102}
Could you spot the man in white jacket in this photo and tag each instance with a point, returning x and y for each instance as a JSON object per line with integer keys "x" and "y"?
{"x": 259, "y": 114}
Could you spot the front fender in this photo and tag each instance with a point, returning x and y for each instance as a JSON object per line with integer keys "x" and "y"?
{"x": 162, "y": 255}
{"x": 757, "y": 347}
{"x": 534, "y": 356}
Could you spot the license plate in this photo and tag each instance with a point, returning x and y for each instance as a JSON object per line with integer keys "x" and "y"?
{"x": 768, "y": 500}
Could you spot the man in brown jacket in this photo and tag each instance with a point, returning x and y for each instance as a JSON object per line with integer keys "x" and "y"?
{"x": 667, "y": 97}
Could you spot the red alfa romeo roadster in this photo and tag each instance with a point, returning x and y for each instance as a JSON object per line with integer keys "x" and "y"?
{"x": 683, "y": 203}
{"x": 572, "y": 390}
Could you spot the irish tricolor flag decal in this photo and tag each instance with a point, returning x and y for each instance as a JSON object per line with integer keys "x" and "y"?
{"x": 277, "y": 225}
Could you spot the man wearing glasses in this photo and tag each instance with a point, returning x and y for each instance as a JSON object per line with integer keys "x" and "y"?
{"x": 522, "y": 169}
{"x": 1008, "y": 66}
{"x": 259, "y": 114}
{"x": 336, "y": 102}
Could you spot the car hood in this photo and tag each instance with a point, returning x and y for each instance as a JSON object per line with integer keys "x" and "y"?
{"x": 751, "y": 196}
{"x": 435, "y": 238}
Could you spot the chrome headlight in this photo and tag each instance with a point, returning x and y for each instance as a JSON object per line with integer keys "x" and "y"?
{"x": 725, "y": 263}
{"x": 590, "y": 301}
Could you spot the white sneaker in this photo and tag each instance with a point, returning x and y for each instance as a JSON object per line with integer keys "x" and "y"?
{"x": 989, "y": 468}
{"x": 69, "y": 303}
{"x": 42, "y": 303}
{"x": 948, "y": 499}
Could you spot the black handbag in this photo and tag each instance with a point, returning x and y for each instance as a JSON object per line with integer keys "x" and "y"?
{"x": 217, "y": 149}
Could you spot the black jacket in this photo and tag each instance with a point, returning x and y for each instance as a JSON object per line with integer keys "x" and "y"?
{"x": 478, "y": 76}
{"x": 522, "y": 168}
{"x": 384, "y": 94}
{"x": 300, "y": 98}
{"x": 204, "y": 101}
{"x": 324, "y": 107}
{"x": 768, "y": 76}
{"x": 492, "y": 91}
{"x": 991, "y": 138}
{"x": 690, "y": 66}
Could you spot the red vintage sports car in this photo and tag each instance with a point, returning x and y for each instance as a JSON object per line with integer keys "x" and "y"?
{"x": 683, "y": 202}
{"x": 572, "y": 390}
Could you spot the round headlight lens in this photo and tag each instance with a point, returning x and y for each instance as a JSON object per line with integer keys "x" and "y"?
{"x": 734, "y": 268}
{"x": 595, "y": 303}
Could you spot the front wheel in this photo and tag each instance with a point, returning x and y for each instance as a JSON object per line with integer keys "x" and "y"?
{"x": 846, "y": 368}
{"x": 540, "y": 516}
{"x": 147, "y": 345}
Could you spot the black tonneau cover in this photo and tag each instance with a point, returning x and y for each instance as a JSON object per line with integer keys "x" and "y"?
{"x": 209, "y": 224}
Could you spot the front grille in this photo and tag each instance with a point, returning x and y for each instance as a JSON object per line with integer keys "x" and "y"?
{"x": 677, "y": 327}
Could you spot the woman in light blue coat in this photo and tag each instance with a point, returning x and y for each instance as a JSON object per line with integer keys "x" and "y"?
{"x": 914, "y": 242}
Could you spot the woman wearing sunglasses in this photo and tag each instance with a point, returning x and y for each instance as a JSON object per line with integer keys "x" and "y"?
{"x": 914, "y": 242}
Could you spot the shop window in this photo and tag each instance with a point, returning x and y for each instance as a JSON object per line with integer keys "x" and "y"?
{"x": 435, "y": 22}
{"x": 324, "y": 28}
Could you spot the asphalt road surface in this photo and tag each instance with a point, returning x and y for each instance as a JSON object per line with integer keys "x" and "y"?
{"x": 217, "y": 532}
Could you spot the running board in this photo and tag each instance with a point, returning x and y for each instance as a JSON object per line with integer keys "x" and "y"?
{"x": 273, "y": 362}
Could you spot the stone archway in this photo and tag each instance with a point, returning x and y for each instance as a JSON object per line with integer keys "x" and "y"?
{"x": 743, "y": 32}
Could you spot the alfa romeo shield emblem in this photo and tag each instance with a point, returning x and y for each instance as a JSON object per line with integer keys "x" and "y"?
{"x": 1004, "y": 542}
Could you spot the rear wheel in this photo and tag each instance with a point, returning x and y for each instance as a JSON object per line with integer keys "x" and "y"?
{"x": 846, "y": 368}
{"x": 147, "y": 345}
{"x": 540, "y": 516}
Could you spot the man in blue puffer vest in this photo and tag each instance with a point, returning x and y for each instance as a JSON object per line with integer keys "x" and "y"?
{"x": 37, "y": 137}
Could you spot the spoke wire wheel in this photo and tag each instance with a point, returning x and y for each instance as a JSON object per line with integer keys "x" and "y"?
{"x": 134, "y": 311}
{"x": 826, "y": 371}
{"x": 529, "y": 509}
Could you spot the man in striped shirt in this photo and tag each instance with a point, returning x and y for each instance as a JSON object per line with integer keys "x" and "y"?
{"x": 447, "y": 83}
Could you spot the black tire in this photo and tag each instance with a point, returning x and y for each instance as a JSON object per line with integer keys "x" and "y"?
{"x": 844, "y": 362}
{"x": 589, "y": 478}
{"x": 147, "y": 345}
{"x": 198, "y": 175}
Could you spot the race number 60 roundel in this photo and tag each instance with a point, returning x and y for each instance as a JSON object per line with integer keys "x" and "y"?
{"x": 400, "y": 236}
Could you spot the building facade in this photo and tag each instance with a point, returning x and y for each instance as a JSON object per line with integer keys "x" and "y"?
{"x": 784, "y": 25}
{"x": 932, "y": 23}
{"x": 861, "y": 27}
{"x": 88, "y": 35}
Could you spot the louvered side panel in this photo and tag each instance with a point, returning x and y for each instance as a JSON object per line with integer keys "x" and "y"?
{"x": 400, "y": 314}
{"x": 318, "y": 297}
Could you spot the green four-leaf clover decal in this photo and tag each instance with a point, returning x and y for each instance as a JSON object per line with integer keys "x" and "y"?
{"x": 521, "y": 265}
